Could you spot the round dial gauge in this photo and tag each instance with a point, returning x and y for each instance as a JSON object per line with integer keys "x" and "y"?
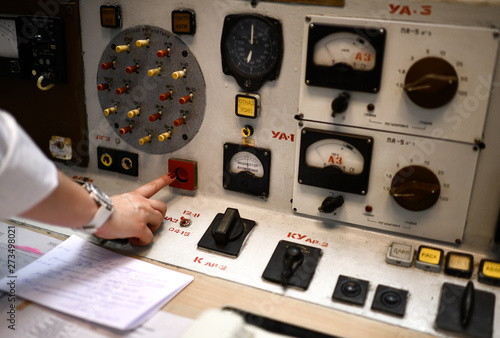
{"x": 345, "y": 48}
{"x": 335, "y": 153}
{"x": 251, "y": 48}
{"x": 8, "y": 39}
{"x": 246, "y": 162}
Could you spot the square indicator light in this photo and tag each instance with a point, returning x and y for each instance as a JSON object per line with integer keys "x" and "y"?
{"x": 489, "y": 272}
{"x": 429, "y": 259}
{"x": 183, "y": 22}
{"x": 111, "y": 16}
{"x": 247, "y": 105}
{"x": 459, "y": 264}
{"x": 400, "y": 254}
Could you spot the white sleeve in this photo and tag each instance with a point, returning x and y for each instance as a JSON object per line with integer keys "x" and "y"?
{"x": 27, "y": 176}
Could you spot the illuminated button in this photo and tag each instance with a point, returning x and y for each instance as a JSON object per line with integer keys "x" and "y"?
{"x": 178, "y": 74}
{"x": 489, "y": 272}
{"x": 109, "y": 111}
{"x": 102, "y": 86}
{"x": 122, "y": 48}
{"x": 145, "y": 140}
{"x": 400, "y": 254}
{"x": 111, "y": 16}
{"x": 186, "y": 99}
{"x": 162, "y": 53}
{"x": 429, "y": 259}
{"x": 133, "y": 113}
{"x": 142, "y": 43}
{"x": 108, "y": 65}
{"x": 154, "y": 72}
{"x": 166, "y": 96}
{"x": 459, "y": 264}
{"x": 247, "y": 105}
{"x": 183, "y": 22}
{"x": 164, "y": 136}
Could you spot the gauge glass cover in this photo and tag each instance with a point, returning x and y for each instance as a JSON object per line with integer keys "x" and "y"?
{"x": 251, "y": 49}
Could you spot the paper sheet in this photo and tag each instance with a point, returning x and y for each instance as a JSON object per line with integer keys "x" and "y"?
{"x": 84, "y": 280}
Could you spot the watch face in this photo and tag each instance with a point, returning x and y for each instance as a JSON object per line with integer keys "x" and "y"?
{"x": 252, "y": 49}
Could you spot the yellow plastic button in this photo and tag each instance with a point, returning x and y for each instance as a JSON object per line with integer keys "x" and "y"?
{"x": 459, "y": 264}
{"x": 491, "y": 269}
{"x": 247, "y": 105}
{"x": 489, "y": 272}
{"x": 429, "y": 259}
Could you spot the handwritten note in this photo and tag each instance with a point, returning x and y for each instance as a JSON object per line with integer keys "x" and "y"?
{"x": 84, "y": 280}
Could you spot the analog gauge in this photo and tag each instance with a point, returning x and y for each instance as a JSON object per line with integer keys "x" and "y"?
{"x": 336, "y": 161}
{"x": 246, "y": 169}
{"x": 251, "y": 49}
{"x": 8, "y": 39}
{"x": 335, "y": 153}
{"x": 246, "y": 162}
{"x": 345, "y": 49}
{"x": 345, "y": 57}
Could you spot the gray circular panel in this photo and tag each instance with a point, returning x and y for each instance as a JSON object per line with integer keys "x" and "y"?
{"x": 180, "y": 116}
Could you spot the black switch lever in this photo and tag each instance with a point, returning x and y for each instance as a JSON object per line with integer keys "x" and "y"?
{"x": 292, "y": 260}
{"x": 330, "y": 204}
{"x": 229, "y": 228}
{"x": 227, "y": 233}
{"x": 467, "y": 304}
{"x": 340, "y": 103}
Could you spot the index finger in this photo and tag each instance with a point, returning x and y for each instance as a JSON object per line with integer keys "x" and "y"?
{"x": 151, "y": 188}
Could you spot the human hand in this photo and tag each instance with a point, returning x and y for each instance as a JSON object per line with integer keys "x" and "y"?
{"x": 136, "y": 216}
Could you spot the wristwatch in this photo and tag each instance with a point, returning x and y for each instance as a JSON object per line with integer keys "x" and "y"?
{"x": 105, "y": 209}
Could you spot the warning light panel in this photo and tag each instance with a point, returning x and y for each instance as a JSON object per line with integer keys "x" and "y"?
{"x": 183, "y": 22}
{"x": 247, "y": 105}
{"x": 111, "y": 16}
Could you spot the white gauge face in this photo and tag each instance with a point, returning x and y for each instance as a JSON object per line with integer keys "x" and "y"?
{"x": 335, "y": 153}
{"x": 246, "y": 161}
{"x": 345, "y": 48}
{"x": 8, "y": 39}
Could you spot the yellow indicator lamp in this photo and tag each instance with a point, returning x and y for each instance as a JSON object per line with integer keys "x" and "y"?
{"x": 247, "y": 105}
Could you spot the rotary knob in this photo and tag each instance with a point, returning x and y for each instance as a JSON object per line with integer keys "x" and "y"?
{"x": 415, "y": 188}
{"x": 431, "y": 82}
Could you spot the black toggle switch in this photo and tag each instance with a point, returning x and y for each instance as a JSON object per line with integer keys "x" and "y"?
{"x": 330, "y": 204}
{"x": 292, "y": 264}
{"x": 227, "y": 233}
{"x": 466, "y": 311}
{"x": 340, "y": 103}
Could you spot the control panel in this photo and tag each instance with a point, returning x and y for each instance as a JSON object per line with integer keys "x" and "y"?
{"x": 342, "y": 154}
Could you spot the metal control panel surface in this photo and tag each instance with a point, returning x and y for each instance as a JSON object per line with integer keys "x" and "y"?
{"x": 375, "y": 124}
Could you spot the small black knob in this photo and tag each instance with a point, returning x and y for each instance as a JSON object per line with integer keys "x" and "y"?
{"x": 340, "y": 103}
{"x": 330, "y": 204}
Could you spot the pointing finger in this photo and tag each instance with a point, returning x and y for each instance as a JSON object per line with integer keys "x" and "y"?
{"x": 151, "y": 188}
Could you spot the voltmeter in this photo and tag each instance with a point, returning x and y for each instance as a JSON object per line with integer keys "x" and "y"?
{"x": 345, "y": 57}
{"x": 247, "y": 169}
{"x": 336, "y": 161}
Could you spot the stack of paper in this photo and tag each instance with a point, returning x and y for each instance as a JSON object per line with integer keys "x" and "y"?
{"x": 84, "y": 280}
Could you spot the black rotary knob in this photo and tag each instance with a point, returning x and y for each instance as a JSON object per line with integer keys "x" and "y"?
{"x": 431, "y": 82}
{"x": 415, "y": 188}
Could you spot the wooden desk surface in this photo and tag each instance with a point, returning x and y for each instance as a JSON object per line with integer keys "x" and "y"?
{"x": 207, "y": 292}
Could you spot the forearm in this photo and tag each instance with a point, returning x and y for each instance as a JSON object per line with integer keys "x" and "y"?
{"x": 69, "y": 205}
